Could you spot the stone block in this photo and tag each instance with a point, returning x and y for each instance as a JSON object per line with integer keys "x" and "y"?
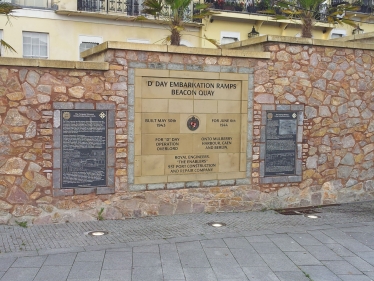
{"x": 266, "y": 180}
{"x": 84, "y": 105}
{"x": 56, "y": 158}
{"x": 192, "y": 184}
{"x": 155, "y": 186}
{"x": 243, "y": 181}
{"x": 105, "y": 190}
{"x": 226, "y": 182}
{"x": 131, "y": 77}
{"x": 175, "y": 66}
{"x": 56, "y": 138}
{"x": 175, "y": 185}
{"x": 212, "y": 68}
{"x": 110, "y": 176}
{"x": 193, "y": 67}
{"x": 246, "y": 70}
{"x": 84, "y": 190}
{"x": 209, "y": 183}
{"x": 56, "y": 175}
{"x": 63, "y": 105}
{"x": 57, "y": 192}
{"x": 91, "y": 65}
{"x": 157, "y": 65}
{"x": 137, "y": 187}
{"x": 229, "y": 69}
{"x": 105, "y": 106}
{"x": 137, "y": 64}
{"x": 283, "y": 107}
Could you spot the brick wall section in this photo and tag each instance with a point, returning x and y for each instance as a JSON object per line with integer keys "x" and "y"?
{"x": 334, "y": 85}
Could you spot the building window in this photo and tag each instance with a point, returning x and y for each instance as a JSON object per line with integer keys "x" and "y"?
{"x": 35, "y": 45}
{"x": 229, "y": 37}
{"x": 338, "y": 33}
{"x": 88, "y": 42}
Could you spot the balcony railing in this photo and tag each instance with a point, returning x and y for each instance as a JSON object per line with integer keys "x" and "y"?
{"x": 127, "y": 7}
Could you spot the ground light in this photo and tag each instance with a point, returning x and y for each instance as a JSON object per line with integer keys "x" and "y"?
{"x": 216, "y": 224}
{"x": 312, "y": 216}
{"x": 97, "y": 233}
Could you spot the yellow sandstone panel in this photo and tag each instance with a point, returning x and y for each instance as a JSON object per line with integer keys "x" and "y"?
{"x": 180, "y": 106}
{"x": 150, "y": 179}
{"x": 205, "y": 106}
{"x": 183, "y": 123}
{"x": 155, "y": 105}
{"x": 225, "y": 106}
{"x": 229, "y": 162}
{"x": 191, "y": 164}
{"x": 218, "y": 90}
{"x": 163, "y": 144}
{"x": 223, "y": 123}
{"x": 215, "y": 143}
{"x": 190, "y": 129}
{"x": 159, "y": 123}
{"x": 153, "y": 165}
{"x": 138, "y": 166}
{"x": 165, "y": 88}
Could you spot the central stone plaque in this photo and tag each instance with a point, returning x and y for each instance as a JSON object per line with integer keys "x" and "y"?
{"x": 84, "y": 141}
{"x": 189, "y": 129}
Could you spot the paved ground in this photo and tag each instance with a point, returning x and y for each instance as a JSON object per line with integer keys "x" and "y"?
{"x": 257, "y": 246}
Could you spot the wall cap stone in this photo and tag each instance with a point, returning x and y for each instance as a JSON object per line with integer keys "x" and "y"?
{"x": 354, "y": 44}
{"x": 54, "y": 63}
{"x": 171, "y": 49}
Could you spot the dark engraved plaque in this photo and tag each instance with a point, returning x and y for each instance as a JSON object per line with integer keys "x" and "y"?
{"x": 84, "y": 142}
{"x": 280, "y": 153}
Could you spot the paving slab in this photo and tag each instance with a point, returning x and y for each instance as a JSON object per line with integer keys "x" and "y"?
{"x": 256, "y": 246}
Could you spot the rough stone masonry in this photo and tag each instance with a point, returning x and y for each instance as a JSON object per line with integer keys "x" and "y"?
{"x": 333, "y": 85}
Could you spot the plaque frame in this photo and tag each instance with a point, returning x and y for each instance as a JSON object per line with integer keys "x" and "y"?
{"x": 109, "y": 187}
{"x": 296, "y": 176}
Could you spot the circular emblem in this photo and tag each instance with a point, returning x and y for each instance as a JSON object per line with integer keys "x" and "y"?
{"x": 270, "y": 115}
{"x": 193, "y": 123}
{"x": 66, "y": 115}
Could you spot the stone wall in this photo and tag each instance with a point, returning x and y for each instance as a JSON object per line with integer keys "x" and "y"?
{"x": 333, "y": 84}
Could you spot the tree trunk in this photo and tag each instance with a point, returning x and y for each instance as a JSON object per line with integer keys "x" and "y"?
{"x": 175, "y": 38}
{"x": 307, "y": 25}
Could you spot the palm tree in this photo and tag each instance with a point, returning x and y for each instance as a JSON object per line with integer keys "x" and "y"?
{"x": 7, "y": 9}
{"x": 308, "y": 11}
{"x": 176, "y": 13}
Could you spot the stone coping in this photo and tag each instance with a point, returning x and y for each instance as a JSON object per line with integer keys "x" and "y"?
{"x": 87, "y": 65}
{"x": 172, "y": 49}
{"x": 300, "y": 41}
{"x": 354, "y": 37}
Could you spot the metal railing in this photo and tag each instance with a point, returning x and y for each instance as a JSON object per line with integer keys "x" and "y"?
{"x": 127, "y": 7}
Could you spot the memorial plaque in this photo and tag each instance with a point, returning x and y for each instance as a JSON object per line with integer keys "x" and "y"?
{"x": 84, "y": 143}
{"x": 280, "y": 153}
{"x": 189, "y": 129}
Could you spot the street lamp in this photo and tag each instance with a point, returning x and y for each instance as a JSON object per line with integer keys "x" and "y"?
{"x": 253, "y": 33}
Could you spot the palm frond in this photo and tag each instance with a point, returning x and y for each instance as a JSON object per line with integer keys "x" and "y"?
{"x": 6, "y": 46}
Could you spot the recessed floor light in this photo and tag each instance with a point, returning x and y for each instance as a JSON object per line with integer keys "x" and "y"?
{"x": 217, "y": 224}
{"x": 312, "y": 216}
{"x": 97, "y": 233}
